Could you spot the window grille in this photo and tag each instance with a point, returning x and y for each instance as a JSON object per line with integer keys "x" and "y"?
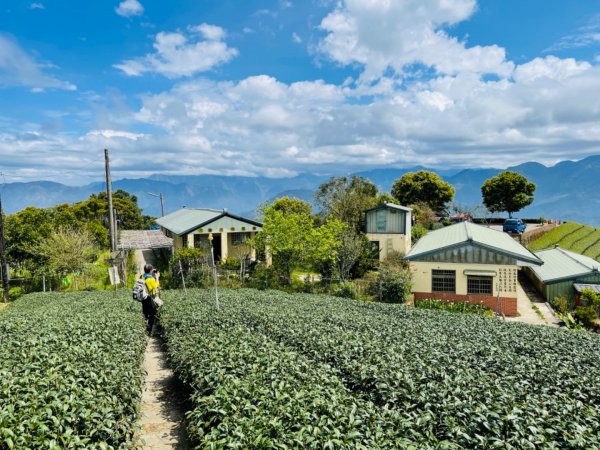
{"x": 479, "y": 285}
{"x": 239, "y": 238}
{"x": 443, "y": 280}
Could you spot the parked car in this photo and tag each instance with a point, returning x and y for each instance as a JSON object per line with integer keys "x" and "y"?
{"x": 514, "y": 226}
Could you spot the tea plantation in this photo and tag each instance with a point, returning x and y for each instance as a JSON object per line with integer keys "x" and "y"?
{"x": 572, "y": 236}
{"x": 70, "y": 371}
{"x": 272, "y": 370}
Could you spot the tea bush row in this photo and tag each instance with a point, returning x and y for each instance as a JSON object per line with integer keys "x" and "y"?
{"x": 70, "y": 371}
{"x": 555, "y": 236}
{"x": 446, "y": 380}
{"x": 250, "y": 391}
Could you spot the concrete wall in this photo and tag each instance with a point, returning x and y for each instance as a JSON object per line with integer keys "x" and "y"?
{"x": 503, "y": 285}
{"x": 390, "y": 242}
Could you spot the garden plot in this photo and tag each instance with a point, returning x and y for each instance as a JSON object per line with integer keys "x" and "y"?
{"x": 70, "y": 371}
{"x": 430, "y": 379}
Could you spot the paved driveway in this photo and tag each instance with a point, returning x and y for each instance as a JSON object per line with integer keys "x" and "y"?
{"x": 527, "y": 300}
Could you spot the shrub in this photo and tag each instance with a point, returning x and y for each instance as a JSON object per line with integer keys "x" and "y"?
{"x": 392, "y": 285}
{"x": 196, "y": 265}
{"x": 418, "y": 231}
{"x": 14, "y": 293}
{"x": 346, "y": 289}
{"x": 264, "y": 277}
{"x": 561, "y": 304}
{"x": 231, "y": 263}
{"x": 589, "y": 311}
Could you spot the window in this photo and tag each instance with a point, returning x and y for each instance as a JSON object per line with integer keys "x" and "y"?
{"x": 239, "y": 238}
{"x": 443, "y": 280}
{"x": 479, "y": 285}
{"x": 201, "y": 241}
{"x": 380, "y": 218}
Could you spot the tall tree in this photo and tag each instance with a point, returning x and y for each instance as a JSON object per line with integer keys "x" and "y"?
{"x": 347, "y": 199}
{"x": 423, "y": 187}
{"x": 507, "y": 191}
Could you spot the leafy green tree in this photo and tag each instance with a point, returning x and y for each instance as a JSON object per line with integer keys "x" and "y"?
{"x": 423, "y": 187}
{"x": 65, "y": 250}
{"x": 507, "y": 191}
{"x": 351, "y": 246}
{"x": 286, "y": 238}
{"x": 291, "y": 205}
{"x": 26, "y": 228}
{"x": 324, "y": 246}
{"x": 347, "y": 199}
{"x": 23, "y": 229}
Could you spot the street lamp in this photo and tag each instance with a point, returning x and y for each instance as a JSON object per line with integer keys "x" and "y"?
{"x": 162, "y": 207}
{"x": 214, "y": 270}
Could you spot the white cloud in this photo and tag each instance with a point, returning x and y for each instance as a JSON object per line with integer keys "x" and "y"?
{"x": 37, "y": 6}
{"x": 110, "y": 134}
{"x": 550, "y": 67}
{"x": 260, "y": 125}
{"x": 17, "y": 68}
{"x": 210, "y": 32}
{"x": 129, "y": 8}
{"x": 585, "y": 36}
{"x": 542, "y": 110}
{"x": 384, "y": 34}
{"x": 296, "y": 38}
{"x": 178, "y": 54}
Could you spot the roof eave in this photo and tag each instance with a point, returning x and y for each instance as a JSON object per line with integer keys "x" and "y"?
{"x": 225, "y": 214}
{"x": 535, "y": 261}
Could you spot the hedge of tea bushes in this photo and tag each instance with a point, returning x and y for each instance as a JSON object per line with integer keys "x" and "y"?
{"x": 70, "y": 371}
{"x": 252, "y": 392}
{"x": 444, "y": 380}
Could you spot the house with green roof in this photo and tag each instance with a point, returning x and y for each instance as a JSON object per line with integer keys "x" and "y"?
{"x": 564, "y": 273}
{"x": 192, "y": 227}
{"x": 469, "y": 263}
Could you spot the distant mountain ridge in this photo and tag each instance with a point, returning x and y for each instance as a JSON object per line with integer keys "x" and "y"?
{"x": 569, "y": 190}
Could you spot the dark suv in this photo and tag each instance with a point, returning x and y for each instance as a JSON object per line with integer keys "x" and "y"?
{"x": 514, "y": 226}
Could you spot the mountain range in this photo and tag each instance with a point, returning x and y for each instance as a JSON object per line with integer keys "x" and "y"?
{"x": 569, "y": 190}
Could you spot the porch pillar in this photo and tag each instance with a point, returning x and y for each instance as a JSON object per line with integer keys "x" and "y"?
{"x": 224, "y": 246}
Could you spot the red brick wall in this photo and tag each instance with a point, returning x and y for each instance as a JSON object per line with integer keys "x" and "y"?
{"x": 508, "y": 305}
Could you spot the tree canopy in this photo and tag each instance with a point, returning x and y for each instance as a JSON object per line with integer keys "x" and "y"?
{"x": 26, "y": 228}
{"x": 291, "y": 205}
{"x": 507, "y": 191}
{"x": 346, "y": 199}
{"x": 423, "y": 187}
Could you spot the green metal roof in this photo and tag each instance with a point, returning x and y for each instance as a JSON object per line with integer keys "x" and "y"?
{"x": 186, "y": 220}
{"x": 467, "y": 232}
{"x": 561, "y": 264}
{"x": 390, "y": 206}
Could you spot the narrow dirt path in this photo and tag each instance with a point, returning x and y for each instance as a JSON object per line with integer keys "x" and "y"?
{"x": 163, "y": 403}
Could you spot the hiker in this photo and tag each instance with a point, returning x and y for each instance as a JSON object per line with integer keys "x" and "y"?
{"x": 151, "y": 277}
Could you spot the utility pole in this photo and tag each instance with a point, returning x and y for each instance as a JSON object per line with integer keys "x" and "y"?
{"x": 162, "y": 206}
{"x": 111, "y": 218}
{"x": 111, "y": 221}
{"x": 3, "y": 262}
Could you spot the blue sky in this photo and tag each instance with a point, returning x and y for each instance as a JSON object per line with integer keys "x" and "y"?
{"x": 277, "y": 87}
